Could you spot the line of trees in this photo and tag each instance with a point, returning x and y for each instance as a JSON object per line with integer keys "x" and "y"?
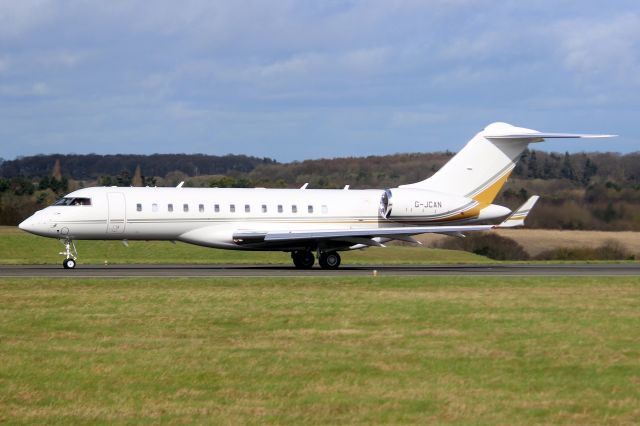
{"x": 579, "y": 191}
{"x": 92, "y": 166}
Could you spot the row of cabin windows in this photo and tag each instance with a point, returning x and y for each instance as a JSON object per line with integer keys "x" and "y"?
{"x": 232, "y": 208}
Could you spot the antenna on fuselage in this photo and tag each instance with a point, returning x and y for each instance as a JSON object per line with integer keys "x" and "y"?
{"x": 180, "y": 184}
{"x": 346, "y": 187}
{"x": 305, "y": 185}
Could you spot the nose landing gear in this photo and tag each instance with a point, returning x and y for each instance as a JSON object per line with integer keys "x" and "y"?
{"x": 70, "y": 253}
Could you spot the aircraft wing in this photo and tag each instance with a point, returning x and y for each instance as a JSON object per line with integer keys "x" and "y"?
{"x": 351, "y": 234}
{"x": 361, "y": 235}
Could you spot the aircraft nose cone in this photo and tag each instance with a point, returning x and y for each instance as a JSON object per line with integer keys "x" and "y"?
{"x": 29, "y": 225}
{"x": 38, "y": 224}
{"x": 24, "y": 225}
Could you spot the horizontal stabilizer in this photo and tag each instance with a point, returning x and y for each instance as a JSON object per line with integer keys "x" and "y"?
{"x": 536, "y": 136}
{"x": 517, "y": 217}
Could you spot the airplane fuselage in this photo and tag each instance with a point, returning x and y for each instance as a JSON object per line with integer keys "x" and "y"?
{"x": 210, "y": 216}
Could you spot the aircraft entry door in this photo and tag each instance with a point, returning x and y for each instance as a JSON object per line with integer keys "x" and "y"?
{"x": 117, "y": 213}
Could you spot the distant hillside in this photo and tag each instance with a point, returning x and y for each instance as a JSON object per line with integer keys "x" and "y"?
{"x": 391, "y": 170}
{"x": 92, "y": 166}
{"x": 579, "y": 191}
{"x": 359, "y": 172}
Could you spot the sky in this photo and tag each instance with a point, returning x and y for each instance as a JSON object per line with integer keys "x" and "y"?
{"x": 293, "y": 80}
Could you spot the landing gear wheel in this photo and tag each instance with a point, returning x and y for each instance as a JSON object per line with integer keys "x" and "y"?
{"x": 330, "y": 260}
{"x": 70, "y": 254}
{"x": 303, "y": 259}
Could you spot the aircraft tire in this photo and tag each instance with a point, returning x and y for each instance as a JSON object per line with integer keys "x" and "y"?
{"x": 303, "y": 259}
{"x": 69, "y": 263}
{"x": 330, "y": 260}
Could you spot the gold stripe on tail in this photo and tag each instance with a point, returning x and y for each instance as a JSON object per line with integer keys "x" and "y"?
{"x": 487, "y": 195}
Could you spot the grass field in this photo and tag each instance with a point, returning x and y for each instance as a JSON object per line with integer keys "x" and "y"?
{"x": 321, "y": 351}
{"x": 18, "y": 247}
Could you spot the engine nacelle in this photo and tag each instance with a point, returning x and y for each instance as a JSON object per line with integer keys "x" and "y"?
{"x": 410, "y": 203}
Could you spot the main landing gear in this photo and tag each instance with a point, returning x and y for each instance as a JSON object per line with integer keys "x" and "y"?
{"x": 304, "y": 259}
{"x": 329, "y": 260}
{"x": 70, "y": 253}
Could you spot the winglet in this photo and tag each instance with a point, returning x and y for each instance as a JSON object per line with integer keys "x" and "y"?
{"x": 517, "y": 217}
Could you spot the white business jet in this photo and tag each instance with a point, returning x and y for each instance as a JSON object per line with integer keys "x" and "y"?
{"x": 303, "y": 221}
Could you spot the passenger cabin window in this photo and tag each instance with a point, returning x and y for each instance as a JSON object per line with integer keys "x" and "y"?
{"x": 325, "y": 209}
{"x": 185, "y": 208}
{"x": 169, "y": 207}
{"x": 247, "y": 208}
{"x": 294, "y": 209}
{"x": 264, "y": 208}
{"x": 216, "y": 208}
{"x": 68, "y": 201}
{"x": 310, "y": 209}
{"x": 279, "y": 208}
{"x": 232, "y": 208}
{"x": 139, "y": 207}
{"x": 154, "y": 207}
{"x": 201, "y": 208}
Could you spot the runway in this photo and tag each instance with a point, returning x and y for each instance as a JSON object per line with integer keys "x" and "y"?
{"x": 180, "y": 271}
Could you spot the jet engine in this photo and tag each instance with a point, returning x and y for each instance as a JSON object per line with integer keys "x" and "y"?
{"x": 399, "y": 203}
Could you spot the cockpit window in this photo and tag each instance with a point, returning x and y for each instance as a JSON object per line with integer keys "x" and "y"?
{"x": 67, "y": 201}
{"x": 62, "y": 202}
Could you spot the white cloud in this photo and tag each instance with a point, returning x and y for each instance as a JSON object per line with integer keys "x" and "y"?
{"x": 295, "y": 65}
{"x": 367, "y": 59}
{"x": 358, "y": 61}
{"x": 18, "y": 17}
{"x": 16, "y": 90}
{"x": 417, "y": 118}
{"x": 597, "y": 46}
{"x": 4, "y": 64}
{"x": 65, "y": 58}
{"x": 40, "y": 89}
{"x": 180, "y": 110}
{"x": 465, "y": 75}
{"x": 476, "y": 45}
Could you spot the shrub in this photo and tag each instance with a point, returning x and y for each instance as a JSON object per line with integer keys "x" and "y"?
{"x": 490, "y": 245}
{"x": 610, "y": 250}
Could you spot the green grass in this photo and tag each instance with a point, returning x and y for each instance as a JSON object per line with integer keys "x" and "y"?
{"x": 18, "y": 247}
{"x": 470, "y": 350}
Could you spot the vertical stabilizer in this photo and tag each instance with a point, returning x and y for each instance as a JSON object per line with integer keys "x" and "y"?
{"x": 483, "y": 166}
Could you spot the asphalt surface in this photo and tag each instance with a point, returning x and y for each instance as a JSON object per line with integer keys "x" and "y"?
{"x": 172, "y": 271}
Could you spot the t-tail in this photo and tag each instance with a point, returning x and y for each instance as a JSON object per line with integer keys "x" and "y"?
{"x": 483, "y": 166}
